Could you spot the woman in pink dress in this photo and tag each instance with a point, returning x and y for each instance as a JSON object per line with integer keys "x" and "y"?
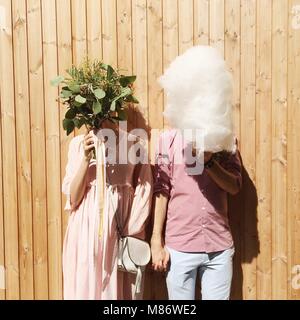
{"x": 90, "y": 260}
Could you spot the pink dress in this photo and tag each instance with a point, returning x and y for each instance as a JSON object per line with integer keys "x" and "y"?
{"x": 89, "y": 262}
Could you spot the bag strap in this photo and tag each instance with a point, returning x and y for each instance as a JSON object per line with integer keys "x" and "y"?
{"x": 138, "y": 281}
{"x": 119, "y": 226}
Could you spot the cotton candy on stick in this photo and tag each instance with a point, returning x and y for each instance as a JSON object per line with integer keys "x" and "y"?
{"x": 198, "y": 86}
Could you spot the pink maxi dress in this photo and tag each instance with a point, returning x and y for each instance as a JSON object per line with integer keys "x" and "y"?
{"x": 89, "y": 261}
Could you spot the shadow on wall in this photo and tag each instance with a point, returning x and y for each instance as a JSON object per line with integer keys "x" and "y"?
{"x": 242, "y": 213}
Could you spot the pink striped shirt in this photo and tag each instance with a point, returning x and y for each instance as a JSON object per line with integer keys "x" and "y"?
{"x": 197, "y": 218}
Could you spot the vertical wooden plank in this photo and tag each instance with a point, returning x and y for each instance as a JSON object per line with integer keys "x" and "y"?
{"x": 216, "y": 24}
{"x": 232, "y": 57}
{"x": 279, "y": 157}
{"x": 170, "y": 36}
{"x": 2, "y": 243}
{"x": 293, "y": 149}
{"x": 170, "y": 32}
{"x": 201, "y": 22}
{"x": 124, "y": 45}
{"x": 79, "y": 37}
{"x": 64, "y": 42}
{"x": 139, "y": 57}
{"x": 23, "y": 149}
{"x": 79, "y": 30}
{"x": 37, "y": 120}
{"x": 155, "y": 64}
{"x": 232, "y": 54}
{"x": 186, "y": 25}
{"x": 124, "y": 36}
{"x": 8, "y": 125}
{"x": 248, "y": 147}
{"x": 52, "y": 150}
{"x": 109, "y": 32}
{"x": 94, "y": 29}
{"x": 263, "y": 146}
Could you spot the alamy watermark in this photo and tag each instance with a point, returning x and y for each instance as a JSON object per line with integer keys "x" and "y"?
{"x": 133, "y": 147}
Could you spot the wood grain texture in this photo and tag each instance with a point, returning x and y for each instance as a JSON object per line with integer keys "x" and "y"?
{"x": 293, "y": 153}
{"x": 260, "y": 41}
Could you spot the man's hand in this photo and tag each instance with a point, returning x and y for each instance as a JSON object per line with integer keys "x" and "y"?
{"x": 207, "y": 154}
{"x": 160, "y": 256}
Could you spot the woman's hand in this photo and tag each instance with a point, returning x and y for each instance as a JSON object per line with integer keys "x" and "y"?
{"x": 89, "y": 144}
{"x": 160, "y": 256}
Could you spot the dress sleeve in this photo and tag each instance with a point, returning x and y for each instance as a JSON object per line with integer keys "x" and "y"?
{"x": 162, "y": 168}
{"x": 141, "y": 205}
{"x": 71, "y": 169}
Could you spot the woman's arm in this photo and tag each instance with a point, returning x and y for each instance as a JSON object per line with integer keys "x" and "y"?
{"x": 78, "y": 184}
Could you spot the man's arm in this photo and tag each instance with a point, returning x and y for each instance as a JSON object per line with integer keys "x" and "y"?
{"x": 160, "y": 256}
{"x": 162, "y": 189}
{"x": 229, "y": 179}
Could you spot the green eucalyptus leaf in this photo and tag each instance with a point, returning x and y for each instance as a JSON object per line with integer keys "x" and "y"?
{"x": 97, "y": 107}
{"x": 104, "y": 66}
{"x": 77, "y": 104}
{"x": 75, "y": 88}
{"x": 125, "y": 92}
{"x": 79, "y": 99}
{"x": 113, "y": 105}
{"x": 110, "y": 72}
{"x": 57, "y": 81}
{"x": 132, "y": 99}
{"x": 68, "y": 125}
{"x": 71, "y": 114}
{"x": 79, "y": 122}
{"x": 66, "y": 94}
{"x": 84, "y": 109}
{"x": 125, "y": 81}
{"x": 99, "y": 93}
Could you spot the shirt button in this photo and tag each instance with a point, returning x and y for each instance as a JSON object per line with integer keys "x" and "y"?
{"x": 203, "y": 208}
{"x": 203, "y": 225}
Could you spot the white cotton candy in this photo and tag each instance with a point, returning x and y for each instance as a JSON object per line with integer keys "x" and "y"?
{"x": 198, "y": 86}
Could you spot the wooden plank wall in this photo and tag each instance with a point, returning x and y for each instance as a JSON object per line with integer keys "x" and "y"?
{"x": 260, "y": 40}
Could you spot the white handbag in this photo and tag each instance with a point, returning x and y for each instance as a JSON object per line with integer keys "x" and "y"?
{"x": 133, "y": 256}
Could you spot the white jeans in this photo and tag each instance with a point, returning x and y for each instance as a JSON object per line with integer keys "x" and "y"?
{"x": 215, "y": 271}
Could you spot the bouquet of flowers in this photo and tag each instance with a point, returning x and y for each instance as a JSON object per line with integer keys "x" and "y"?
{"x": 94, "y": 92}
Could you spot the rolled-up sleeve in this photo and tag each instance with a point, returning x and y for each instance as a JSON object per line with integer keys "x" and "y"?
{"x": 233, "y": 164}
{"x": 162, "y": 168}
